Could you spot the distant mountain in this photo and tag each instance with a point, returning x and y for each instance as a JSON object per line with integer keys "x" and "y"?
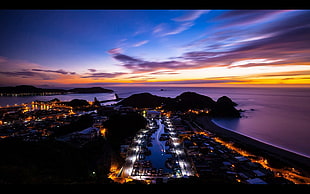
{"x": 27, "y": 89}
{"x": 223, "y": 107}
{"x": 90, "y": 90}
{"x": 31, "y": 90}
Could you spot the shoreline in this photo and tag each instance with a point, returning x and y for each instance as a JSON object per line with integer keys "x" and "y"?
{"x": 304, "y": 155}
{"x": 270, "y": 152}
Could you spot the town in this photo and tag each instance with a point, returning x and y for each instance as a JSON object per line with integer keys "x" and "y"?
{"x": 172, "y": 148}
{"x": 195, "y": 156}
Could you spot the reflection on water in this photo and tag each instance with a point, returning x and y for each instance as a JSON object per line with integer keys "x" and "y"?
{"x": 158, "y": 156}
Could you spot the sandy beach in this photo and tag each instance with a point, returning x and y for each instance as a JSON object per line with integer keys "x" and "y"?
{"x": 272, "y": 153}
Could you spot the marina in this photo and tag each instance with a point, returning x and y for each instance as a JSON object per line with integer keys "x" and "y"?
{"x": 156, "y": 153}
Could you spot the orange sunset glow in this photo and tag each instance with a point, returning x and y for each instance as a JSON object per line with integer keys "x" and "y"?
{"x": 155, "y": 47}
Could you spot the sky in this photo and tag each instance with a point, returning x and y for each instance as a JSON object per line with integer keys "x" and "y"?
{"x": 203, "y": 48}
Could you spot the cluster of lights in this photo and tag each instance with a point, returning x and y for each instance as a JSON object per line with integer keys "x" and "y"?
{"x": 177, "y": 150}
{"x": 289, "y": 173}
{"x": 135, "y": 149}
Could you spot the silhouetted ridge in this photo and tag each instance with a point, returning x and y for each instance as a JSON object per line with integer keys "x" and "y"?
{"x": 223, "y": 107}
{"x": 192, "y": 100}
{"x": 143, "y": 100}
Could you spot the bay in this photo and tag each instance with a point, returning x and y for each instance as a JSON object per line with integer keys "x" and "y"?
{"x": 277, "y": 116}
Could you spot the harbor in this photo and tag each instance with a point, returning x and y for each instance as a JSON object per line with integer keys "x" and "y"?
{"x": 172, "y": 150}
{"x": 156, "y": 154}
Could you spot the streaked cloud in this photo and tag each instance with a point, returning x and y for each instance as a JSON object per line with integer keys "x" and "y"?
{"x": 92, "y": 70}
{"x": 17, "y": 69}
{"x": 142, "y": 66}
{"x": 253, "y": 62}
{"x": 164, "y": 72}
{"x": 192, "y": 82}
{"x": 284, "y": 74}
{"x": 182, "y": 27}
{"x": 167, "y": 47}
{"x": 60, "y": 71}
{"x": 159, "y": 28}
{"x": 140, "y": 43}
{"x": 248, "y": 17}
{"x": 27, "y": 74}
{"x": 290, "y": 47}
{"x": 115, "y": 51}
{"x": 164, "y": 29}
{"x": 190, "y": 15}
{"x": 102, "y": 75}
{"x": 184, "y": 23}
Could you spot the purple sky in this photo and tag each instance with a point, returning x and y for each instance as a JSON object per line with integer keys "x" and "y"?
{"x": 68, "y": 48}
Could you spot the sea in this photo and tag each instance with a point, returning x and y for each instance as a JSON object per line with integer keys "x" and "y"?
{"x": 276, "y": 116}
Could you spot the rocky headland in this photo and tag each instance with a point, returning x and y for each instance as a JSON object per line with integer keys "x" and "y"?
{"x": 223, "y": 107}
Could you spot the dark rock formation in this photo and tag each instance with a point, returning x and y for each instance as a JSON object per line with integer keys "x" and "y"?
{"x": 225, "y": 107}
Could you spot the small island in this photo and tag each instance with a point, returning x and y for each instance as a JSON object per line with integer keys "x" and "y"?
{"x": 90, "y": 90}
{"x": 27, "y": 90}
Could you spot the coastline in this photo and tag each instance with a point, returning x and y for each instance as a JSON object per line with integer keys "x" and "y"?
{"x": 270, "y": 152}
{"x": 226, "y": 128}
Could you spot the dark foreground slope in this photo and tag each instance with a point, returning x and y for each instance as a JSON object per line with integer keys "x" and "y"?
{"x": 53, "y": 162}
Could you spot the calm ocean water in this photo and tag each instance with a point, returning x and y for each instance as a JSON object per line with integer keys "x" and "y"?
{"x": 278, "y": 116}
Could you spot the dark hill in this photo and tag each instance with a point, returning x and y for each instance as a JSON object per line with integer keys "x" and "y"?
{"x": 90, "y": 90}
{"x": 143, "y": 100}
{"x": 223, "y": 107}
{"x": 190, "y": 100}
{"x": 77, "y": 103}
